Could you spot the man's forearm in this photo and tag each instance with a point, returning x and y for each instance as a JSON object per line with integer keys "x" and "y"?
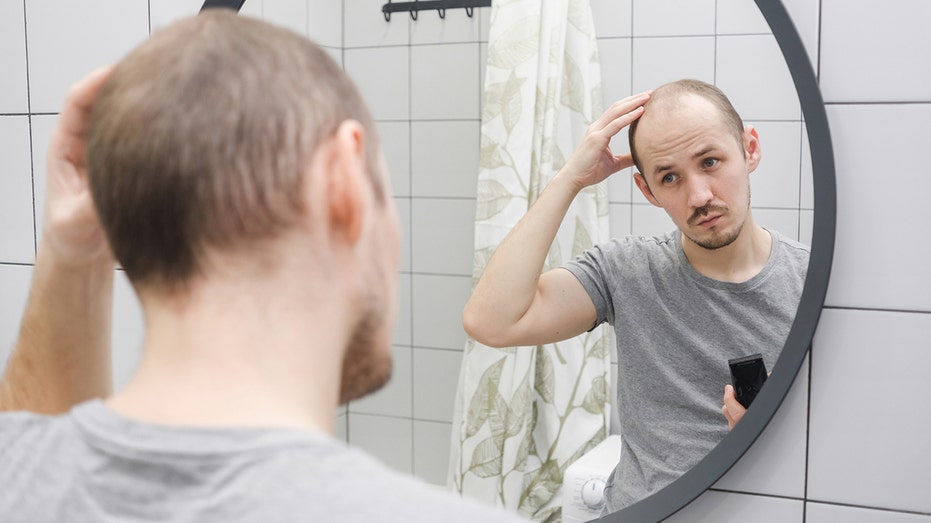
{"x": 508, "y": 285}
{"x": 62, "y": 354}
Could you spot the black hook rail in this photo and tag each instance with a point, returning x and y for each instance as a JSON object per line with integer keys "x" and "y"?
{"x": 440, "y": 5}
{"x": 227, "y": 4}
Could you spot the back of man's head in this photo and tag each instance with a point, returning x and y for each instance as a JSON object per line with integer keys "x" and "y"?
{"x": 201, "y": 137}
{"x": 666, "y": 98}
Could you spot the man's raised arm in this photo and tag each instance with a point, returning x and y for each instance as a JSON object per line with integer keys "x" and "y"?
{"x": 513, "y": 304}
{"x": 62, "y": 354}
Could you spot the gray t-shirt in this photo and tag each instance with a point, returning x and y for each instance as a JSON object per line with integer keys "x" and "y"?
{"x": 92, "y": 465}
{"x": 675, "y": 330}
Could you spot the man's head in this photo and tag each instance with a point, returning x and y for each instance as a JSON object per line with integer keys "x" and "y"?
{"x": 694, "y": 157}
{"x": 203, "y": 146}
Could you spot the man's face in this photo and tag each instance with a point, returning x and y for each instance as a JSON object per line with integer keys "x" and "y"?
{"x": 696, "y": 170}
{"x": 367, "y": 363}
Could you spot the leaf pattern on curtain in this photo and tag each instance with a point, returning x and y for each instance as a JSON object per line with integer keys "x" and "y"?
{"x": 524, "y": 414}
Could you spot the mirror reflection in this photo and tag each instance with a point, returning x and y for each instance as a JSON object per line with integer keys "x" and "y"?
{"x": 703, "y": 262}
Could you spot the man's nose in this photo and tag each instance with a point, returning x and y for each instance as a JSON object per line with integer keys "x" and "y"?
{"x": 699, "y": 191}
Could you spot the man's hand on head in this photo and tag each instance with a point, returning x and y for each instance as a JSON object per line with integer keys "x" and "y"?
{"x": 71, "y": 229}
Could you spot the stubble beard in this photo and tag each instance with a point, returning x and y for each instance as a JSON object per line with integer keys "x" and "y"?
{"x": 367, "y": 361}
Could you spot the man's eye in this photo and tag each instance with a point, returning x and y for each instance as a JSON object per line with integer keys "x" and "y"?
{"x": 710, "y": 162}
{"x": 669, "y": 178}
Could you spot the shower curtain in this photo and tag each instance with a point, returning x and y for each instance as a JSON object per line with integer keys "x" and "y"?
{"x": 523, "y": 414}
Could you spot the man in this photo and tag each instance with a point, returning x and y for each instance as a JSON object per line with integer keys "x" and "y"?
{"x": 718, "y": 287}
{"x": 238, "y": 180}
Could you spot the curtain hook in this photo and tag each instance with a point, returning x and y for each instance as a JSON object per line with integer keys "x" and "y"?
{"x": 469, "y": 11}
{"x": 386, "y": 12}
{"x": 415, "y": 10}
{"x": 442, "y": 13}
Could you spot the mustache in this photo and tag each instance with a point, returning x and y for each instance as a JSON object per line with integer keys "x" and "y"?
{"x": 703, "y": 211}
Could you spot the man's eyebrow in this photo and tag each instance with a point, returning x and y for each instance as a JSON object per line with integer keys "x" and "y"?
{"x": 704, "y": 150}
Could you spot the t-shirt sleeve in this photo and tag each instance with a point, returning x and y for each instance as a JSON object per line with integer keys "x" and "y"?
{"x": 592, "y": 268}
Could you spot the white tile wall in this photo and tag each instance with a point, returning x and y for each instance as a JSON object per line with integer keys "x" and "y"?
{"x": 436, "y": 373}
{"x": 866, "y": 428}
{"x": 14, "y": 288}
{"x": 444, "y": 158}
{"x": 66, "y": 40}
{"x": 879, "y": 192}
{"x": 775, "y": 183}
{"x": 868, "y": 435}
{"x": 441, "y": 244}
{"x": 13, "y": 93}
{"x": 16, "y": 213}
{"x": 871, "y": 52}
{"x": 673, "y": 17}
{"x": 293, "y": 14}
{"x": 164, "y": 12}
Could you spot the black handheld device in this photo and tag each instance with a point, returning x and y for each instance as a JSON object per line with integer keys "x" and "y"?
{"x": 747, "y": 376}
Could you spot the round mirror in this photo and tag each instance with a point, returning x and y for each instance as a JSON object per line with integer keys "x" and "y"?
{"x": 690, "y": 485}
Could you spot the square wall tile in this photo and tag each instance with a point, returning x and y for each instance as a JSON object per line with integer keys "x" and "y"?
{"x": 775, "y": 182}
{"x": 436, "y": 377}
{"x": 431, "y": 451}
{"x": 621, "y": 184}
{"x": 437, "y": 309}
{"x": 674, "y": 17}
{"x": 445, "y": 81}
{"x": 613, "y": 18}
{"x": 17, "y": 233}
{"x": 396, "y": 146}
{"x": 867, "y": 367}
{"x": 14, "y": 290}
{"x": 615, "y": 55}
{"x": 291, "y": 14}
{"x": 164, "y": 12}
{"x": 647, "y": 220}
{"x": 619, "y": 219}
{"x": 388, "y": 440}
{"x": 442, "y": 236}
{"x": 365, "y": 25}
{"x": 872, "y": 51}
{"x": 779, "y": 450}
{"x": 445, "y": 158}
{"x": 661, "y": 60}
{"x": 880, "y": 207}
{"x": 806, "y": 224}
{"x": 67, "y": 40}
{"x": 740, "y": 17}
{"x": 786, "y": 221}
{"x": 381, "y": 75}
{"x": 394, "y": 399}
{"x": 429, "y": 28}
{"x": 13, "y": 92}
{"x": 753, "y": 74}
{"x": 725, "y": 506}
{"x": 325, "y": 22}
{"x": 128, "y": 330}
{"x": 402, "y": 324}
{"x": 825, "y": 513}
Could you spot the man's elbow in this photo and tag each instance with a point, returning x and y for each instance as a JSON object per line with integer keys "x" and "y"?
{"x": 480, "y": 330}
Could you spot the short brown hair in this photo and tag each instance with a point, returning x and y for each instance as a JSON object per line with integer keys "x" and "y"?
{"x": 202, "y": 135}
{"x": 674, "y": 90}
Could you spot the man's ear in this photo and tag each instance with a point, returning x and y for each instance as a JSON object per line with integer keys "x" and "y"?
{"x": 347, "y": 191}
{"x": 752, "y": 149}
{"x": 645, "y": 189}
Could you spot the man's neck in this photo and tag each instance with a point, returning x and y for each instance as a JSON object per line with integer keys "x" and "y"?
{"x": 738, "y": 262}
{"x": 234, "y": 357}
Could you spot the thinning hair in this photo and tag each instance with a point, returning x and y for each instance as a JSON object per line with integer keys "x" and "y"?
{"x": 202, "y": 136}
{"x": 673, "y": 91}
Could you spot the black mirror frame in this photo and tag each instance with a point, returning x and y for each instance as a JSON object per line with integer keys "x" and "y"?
{"x": 709, "y": 470}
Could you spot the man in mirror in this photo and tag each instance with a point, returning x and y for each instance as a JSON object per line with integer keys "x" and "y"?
{"x": 717, "y": 287}
{"x": 238, "y": 180}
